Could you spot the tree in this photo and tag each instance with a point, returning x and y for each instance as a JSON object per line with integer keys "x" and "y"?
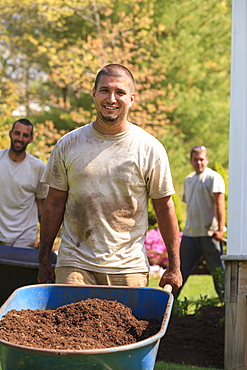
{"x": 196, "y": 40}
{"x": 178, "y": 51}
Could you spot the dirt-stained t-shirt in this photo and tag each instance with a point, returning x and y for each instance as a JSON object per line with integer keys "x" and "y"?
{"x": 199, "y": 195}
{"x": 108, "y": 179}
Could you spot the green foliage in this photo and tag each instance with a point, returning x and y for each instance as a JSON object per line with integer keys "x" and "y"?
{"x": 204, "y": 301}
{"x": 181, "y": 308}
{"x": 184, "y": 307}
{"x": 179, "y": 53}
{"x": 196, "y": 53}
{"x": 152, "y": 222}
{"x": 179, "y": 211}
{"x": 5, "y": 126}
{"x": 166, "y": 366}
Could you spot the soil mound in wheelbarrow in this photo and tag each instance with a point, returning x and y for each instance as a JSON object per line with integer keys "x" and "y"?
{"x": 90, "y": 324}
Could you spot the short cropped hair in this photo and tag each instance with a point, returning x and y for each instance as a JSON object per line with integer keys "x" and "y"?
{"x": 25, "y": 122}
{"x": 115, "y": 70}
{"x": 198, "y": 149}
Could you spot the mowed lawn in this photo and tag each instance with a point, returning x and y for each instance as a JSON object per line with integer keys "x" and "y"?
{"x": 165, "y": 366}
{"x": 196, "y": 286}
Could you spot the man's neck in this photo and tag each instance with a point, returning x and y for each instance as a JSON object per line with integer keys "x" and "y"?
{"x": 16, "y": 157}
{"x": 111, "y": 128}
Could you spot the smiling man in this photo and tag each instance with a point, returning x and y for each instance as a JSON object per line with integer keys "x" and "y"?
{"x": 100, "y": 177}
{"x": 22, "y": 195}
{"x": 113, "y": 97}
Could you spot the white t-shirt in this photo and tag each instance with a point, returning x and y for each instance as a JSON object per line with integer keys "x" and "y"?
{"x": 108, "y": 179}
{"x": 199, "y": 195}
{"x": 20, "y": 186}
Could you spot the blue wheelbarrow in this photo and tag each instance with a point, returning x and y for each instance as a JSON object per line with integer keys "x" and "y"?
{"x": 146, "y": 303}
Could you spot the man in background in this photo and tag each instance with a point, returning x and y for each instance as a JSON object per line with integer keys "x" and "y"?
{"x": 22, "y": 195}
{"x": 204, "y": 191}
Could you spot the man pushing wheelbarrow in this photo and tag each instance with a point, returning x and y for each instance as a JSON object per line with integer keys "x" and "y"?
{"x": 100, "y": 177}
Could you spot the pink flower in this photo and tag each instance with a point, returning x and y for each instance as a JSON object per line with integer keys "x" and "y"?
{"x": 156, "y": 249}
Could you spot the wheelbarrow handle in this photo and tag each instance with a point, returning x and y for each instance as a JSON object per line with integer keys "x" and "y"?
{"x": 168, "y": 287}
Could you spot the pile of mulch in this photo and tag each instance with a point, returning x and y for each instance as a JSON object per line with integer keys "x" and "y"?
{"x": 195, "y": 340}
{"x": 90, "y": 324}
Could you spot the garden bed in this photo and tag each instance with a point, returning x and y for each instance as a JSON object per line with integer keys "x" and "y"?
{"x": 195, "y": 340}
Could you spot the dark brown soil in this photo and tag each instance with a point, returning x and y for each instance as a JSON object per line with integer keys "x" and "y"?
{"x": 195, "y": 340}
{"x": 90, "y": 324}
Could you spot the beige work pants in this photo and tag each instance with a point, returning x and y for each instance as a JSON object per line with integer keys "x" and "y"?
{"x": 76, "y": 276}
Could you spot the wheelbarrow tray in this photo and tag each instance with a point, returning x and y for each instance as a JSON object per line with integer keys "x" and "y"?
{"x": 146, "y": 303}
{"x": 19, "y": 267}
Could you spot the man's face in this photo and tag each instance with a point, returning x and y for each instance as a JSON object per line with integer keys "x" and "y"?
{"x": 20, "y": 137}
{"x": 199, "y": 161}
{"x": 113, "y": 98}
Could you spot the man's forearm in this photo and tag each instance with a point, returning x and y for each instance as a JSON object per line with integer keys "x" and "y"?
{"x": 219, "y": 202}
{"x": 50, "y": 224}
{"x": 168, "y": 226}
{"x": 220, "y": 210}
{"x": 170, "y": 233}
{"x": 51, "y": 221}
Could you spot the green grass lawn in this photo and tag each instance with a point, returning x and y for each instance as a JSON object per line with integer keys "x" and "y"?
{"x": 196, "y": 286}
{"x": 164, "y": 366}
